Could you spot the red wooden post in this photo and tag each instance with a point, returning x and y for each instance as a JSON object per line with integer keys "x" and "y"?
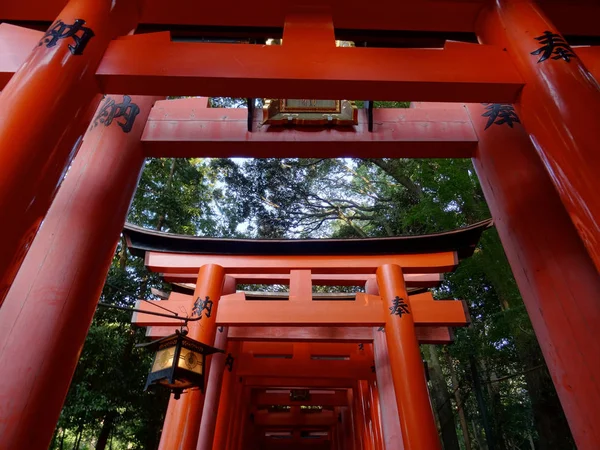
{"x": 243, "y": 425}
{"x": 376, "y": 415}
{"x": 40, "y": 117}
{"x": 338, "y": 429}
{"x": 351, "y": 433}
{"x": 364, "y": 396}
{"x": 181, "y": 433}
{"x": 558, "y": 107}
{"x": 215, "y": 382}
{"x": 416, "y": 417}
{"x": 591, "y": 58}
{"x": 213, "y": 392}
{"x": 557, "y": 279}
{"x": 170, "y": 437}
{"x": 358, "y": 418}
{"x": 51, "y": 303}
{"x": 226, "y": 402}
{"x": 390, "y": 419}
{"x": 236, "y": 415}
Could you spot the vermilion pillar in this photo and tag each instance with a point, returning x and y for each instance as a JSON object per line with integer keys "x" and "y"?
{"x": 226, "y": 402}
{"x": 376, "y": 415}
{"x": 180, "y": 432}
{"x": 171, "y": 436}
{"x": 242, "y": 425}
{"x": 364, "y": 398}
{"x": 213, "y": 392}
{"x": 559, "y": 107}
{"x": 419, "y": 431}
{"x": 557, "y": 279}
{"x": 236, "y": 415}
{"x": 218, "y": 364}
{"x": 40, "y": 112}
{"x": 349, "y": 421}
{"x": 48, "y": 310}
{"x": 337, "y": 429}
{"x": 358, "y": 419}
{"x": 390, "y": 419}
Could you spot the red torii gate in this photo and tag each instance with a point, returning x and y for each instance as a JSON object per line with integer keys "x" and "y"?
{"x": 298, "y": 361}
{"x": 549, "y": 257}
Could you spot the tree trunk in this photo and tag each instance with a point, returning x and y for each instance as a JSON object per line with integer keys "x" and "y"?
{"x": 479, "y": 438}
{"x": 62, "y": 440}
{"x": 549, "y": 418}
{"x": 489, "y": 436}
{"x": 107, "y": 427}
{"x": 550, "y": 422}
{"x": 123, "y": 254}
{"x": 161, "y": 217}
{"x": 459, "y": 403}
{"x": 79, "y": 436}
{"x": 496, "y": 410}
{"x": 395, "y": 170}
{"x": 441, "y": 400}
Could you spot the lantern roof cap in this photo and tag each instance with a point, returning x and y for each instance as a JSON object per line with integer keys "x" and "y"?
{"x": 462, "y": 240}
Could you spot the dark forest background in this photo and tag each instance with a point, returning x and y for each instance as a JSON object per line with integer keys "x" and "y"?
{"x": 490, "y": 390}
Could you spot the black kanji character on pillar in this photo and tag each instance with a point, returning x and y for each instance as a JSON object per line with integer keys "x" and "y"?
{"x": 553, "y": 44}
{"x": 201, "y": 305}
{"x": 499, "y": 114}
{"x": 229, "y": 362}
{"x": 112, "y": 110}
{"x": 399, "y": 307}
{"x": 59, "y": 30}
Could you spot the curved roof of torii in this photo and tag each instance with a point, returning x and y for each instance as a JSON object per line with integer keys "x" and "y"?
{"x": 462, "y": 240}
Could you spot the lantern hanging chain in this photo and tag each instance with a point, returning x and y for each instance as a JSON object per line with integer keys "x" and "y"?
{"x": 135, "y": 296}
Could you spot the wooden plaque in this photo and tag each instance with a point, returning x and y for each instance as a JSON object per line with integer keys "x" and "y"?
{"x": 309, "y": 112}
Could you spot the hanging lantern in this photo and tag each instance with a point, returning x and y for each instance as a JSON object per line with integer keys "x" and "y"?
{"x": 179, "y": 362}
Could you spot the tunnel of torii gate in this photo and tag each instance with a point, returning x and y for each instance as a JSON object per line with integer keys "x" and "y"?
{"x": 354, "y": 358}
{"x": 83, "y": 86}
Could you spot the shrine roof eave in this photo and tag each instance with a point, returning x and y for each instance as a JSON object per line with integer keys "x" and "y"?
{"x": 462, "y": 240}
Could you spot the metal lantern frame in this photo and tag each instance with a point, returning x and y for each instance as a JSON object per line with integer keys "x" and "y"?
{"x": 176, "y": 376}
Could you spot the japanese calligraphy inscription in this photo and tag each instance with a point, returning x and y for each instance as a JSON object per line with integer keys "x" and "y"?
{"x": 59, "y": 30}
{"x": 553, "y": 44}
{"x": 499, "y": 114}
{"x": 112, "y": 110}
{"x": 399, "y": 307}
{"x": 202, "y": 305}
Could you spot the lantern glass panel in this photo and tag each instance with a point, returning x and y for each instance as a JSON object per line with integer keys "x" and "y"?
{"x": 163, "y": 359}
{"x": 190, "y": 360}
